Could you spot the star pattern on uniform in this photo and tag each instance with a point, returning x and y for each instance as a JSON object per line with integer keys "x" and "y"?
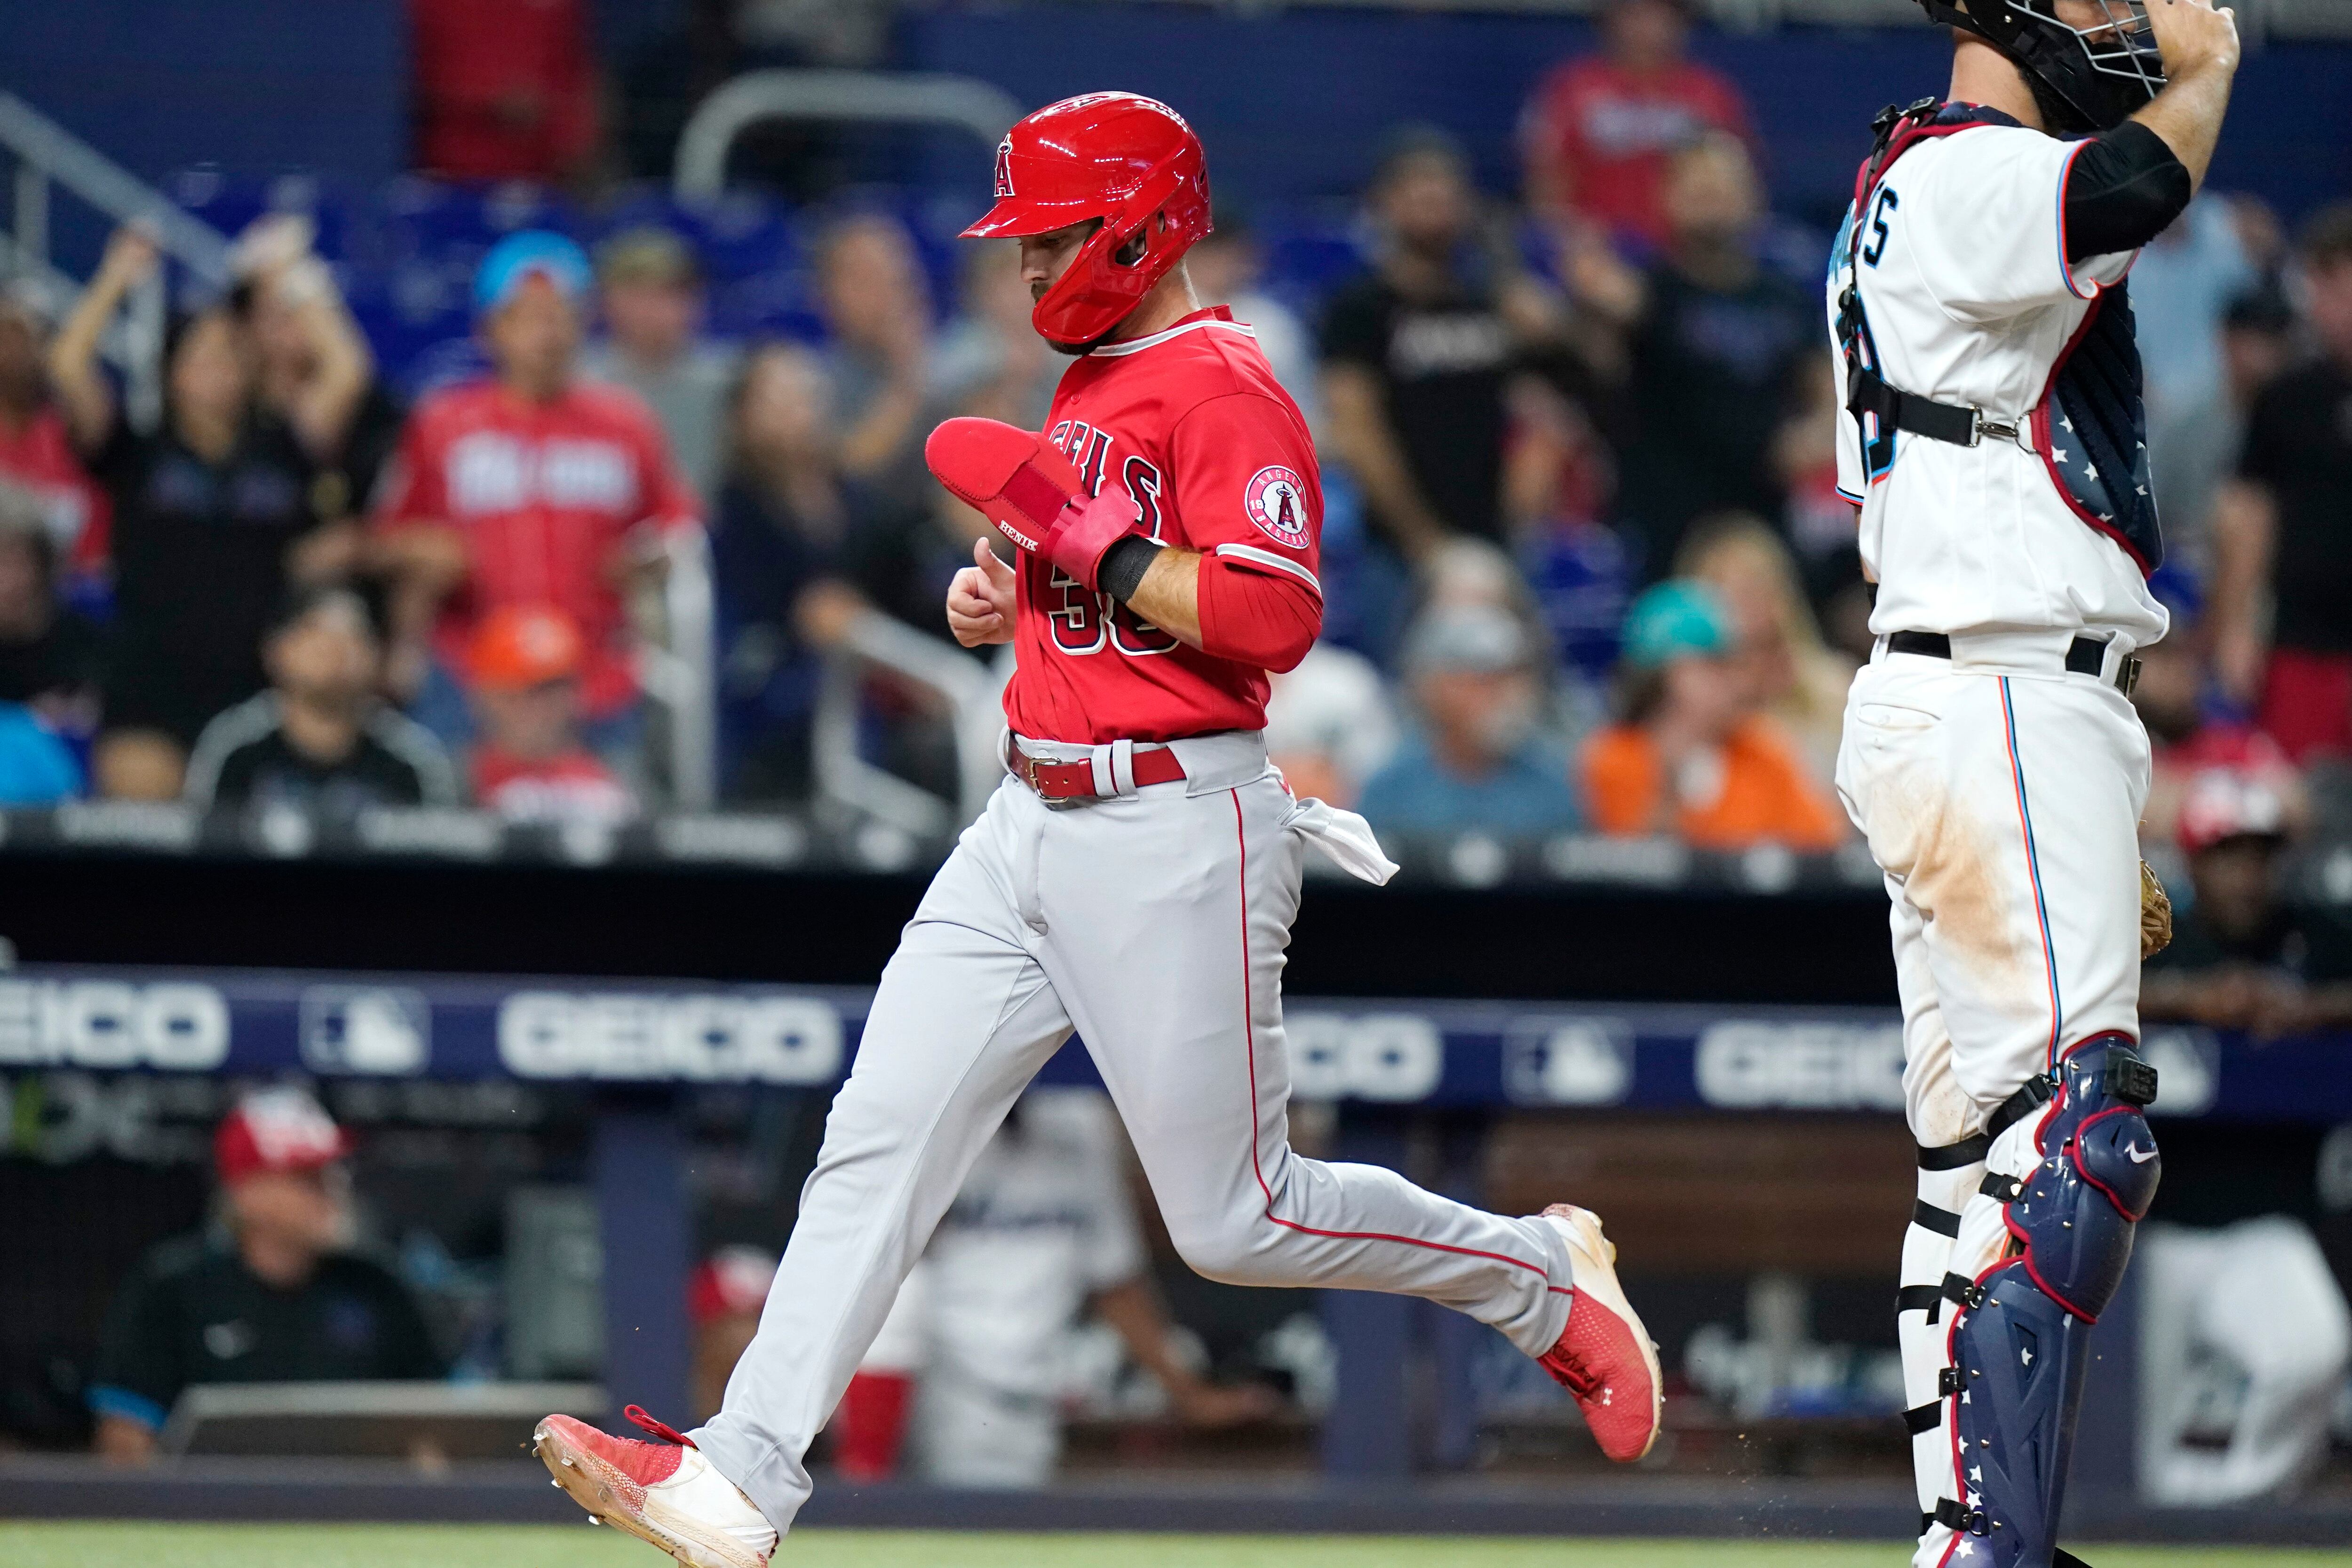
{"x": 1965, "y": 1549}
{"x": 2024, "y": 1355}
{"x": 2066, "y": 424}
{"x": 1976, "y": 1472}
{"x": 2090, "y": 471}
{"x": 2059, "y": 455}
{"x": 1964, "y": 1396}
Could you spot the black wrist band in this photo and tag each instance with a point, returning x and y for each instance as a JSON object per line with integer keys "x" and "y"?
{"x": 1123, "y": 566}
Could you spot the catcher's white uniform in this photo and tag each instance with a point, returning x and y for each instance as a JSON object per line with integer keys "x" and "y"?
{"x": 2000, "y": 790}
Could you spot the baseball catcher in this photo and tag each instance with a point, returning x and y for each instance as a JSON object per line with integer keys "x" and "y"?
{"x": 1996, "y": 446}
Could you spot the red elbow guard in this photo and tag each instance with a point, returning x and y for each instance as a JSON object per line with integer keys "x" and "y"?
{"x": 1257, "y": 617}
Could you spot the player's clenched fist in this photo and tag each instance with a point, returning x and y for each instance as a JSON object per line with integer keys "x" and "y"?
{"x": 2193, "y": 36}
{"x": 1032, "y": 492}
{"x": 980, "y": 600}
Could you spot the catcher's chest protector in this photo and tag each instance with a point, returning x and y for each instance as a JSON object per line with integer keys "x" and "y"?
{"x": 2021, "y": 1333}
{"x": 2089, "y": 427}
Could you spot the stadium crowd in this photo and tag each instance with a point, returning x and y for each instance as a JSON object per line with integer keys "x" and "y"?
{"x": 1588, "y": 567}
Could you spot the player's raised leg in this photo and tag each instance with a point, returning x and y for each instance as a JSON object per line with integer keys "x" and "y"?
{"x": 1189, "y": 1037}
{"x": 962, "y": 1022}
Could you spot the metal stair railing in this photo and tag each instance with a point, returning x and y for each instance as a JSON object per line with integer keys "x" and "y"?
{"x": 970, "y": 690}
{"x": 878, "y": 98}
{"x": 49, "y": 158}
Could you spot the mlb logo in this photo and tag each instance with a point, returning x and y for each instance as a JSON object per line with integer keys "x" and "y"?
{"x": 372, "y": 1030}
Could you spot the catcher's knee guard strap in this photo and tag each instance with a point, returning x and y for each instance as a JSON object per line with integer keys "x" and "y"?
{"x": 2021, "y": 1330}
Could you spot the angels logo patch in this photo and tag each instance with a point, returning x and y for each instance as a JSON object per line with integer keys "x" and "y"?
{"x": 1276, "y": 498}
{"x": 1005, "y": 168}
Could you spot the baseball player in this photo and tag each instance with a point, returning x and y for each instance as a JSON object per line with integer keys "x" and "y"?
{"x": 1996, "y": 445}
{"x": 1133, "y": 879}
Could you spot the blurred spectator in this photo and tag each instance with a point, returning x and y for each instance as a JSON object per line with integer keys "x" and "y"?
{"x": 971, "y": 1365}
{"x": 784, "y": 522}
{"x": 1794, "y": 680}
{"x": 2195, "y": 456}
{"x": 530, "y": 765}
{"x": 2181, "y": 288}
{"x": 1329, "y": 725}
{"x": 1715, "y": 347}
{"x": 502, "y": 89}
{"x": 666, "y": 77}
{"x": 1557, "y": 477}
{"x": 2171, "y": 698}
{"x": 1416, "y": 356}
{"x": 1821, "y": 525}
{"x": 36, "y": 452}
{"x": 50, "y": 655}
{"x": 871, "y": 292}
{"x": 723, "y": 1299}
{"x": 36, "y": 768}
{"x": 271, "y": 1293}
{"x": 1226, "y": 268}
{"x": 214, "y": 517}
{"x": 801, "y": 552}
{"x": 652, "y": 294}
{"x": 2241, "y": 957}
{"x": 990, "y": 362}
{"x": 1473, "y": 761}
{"x": 2243, "y": 1341}
{"x": 320, "y": 737}
{"x": 2280, "y": 530}
{"x": 1690, "y": 757}
{"x": 1598, "y": 132}
{"x": 528, "y": 488}
{"x": 307, "y": 352}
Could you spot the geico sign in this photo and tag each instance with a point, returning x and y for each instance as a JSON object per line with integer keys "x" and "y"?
{"x": 1744, "y": 1063}
{"x": 703, "y": 1038}
{"x": 1376, "y": 1056}
{"x": 107, "y": 1023}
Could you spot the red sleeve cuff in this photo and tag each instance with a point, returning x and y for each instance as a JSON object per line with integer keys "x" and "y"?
{"x": 1255, "y": 614}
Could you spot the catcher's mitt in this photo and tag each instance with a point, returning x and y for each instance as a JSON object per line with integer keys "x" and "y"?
{"x": 2155, "y": 915}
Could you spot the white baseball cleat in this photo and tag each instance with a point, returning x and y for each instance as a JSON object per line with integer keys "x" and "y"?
{"x": 665, "y": 1493}
{"x": 1604, "y": 1356}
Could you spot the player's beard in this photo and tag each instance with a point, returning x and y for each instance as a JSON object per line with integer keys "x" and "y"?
{"x": 1079, "y": 350}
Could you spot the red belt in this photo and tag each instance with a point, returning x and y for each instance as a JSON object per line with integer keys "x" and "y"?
{"x": 1076, "y": 781}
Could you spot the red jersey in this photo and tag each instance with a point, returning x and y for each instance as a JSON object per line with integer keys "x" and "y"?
{"x": 40, "y": 458}
{"x": 571, "y": 788}
{"x": 505, "y": 89}
{"x": 1611, "y": 132}
{"x": 547, "y": 495}
{"x": 1192, "y": 425}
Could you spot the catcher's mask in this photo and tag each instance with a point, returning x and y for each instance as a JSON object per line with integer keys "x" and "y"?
{"x": 2083, "y": 78}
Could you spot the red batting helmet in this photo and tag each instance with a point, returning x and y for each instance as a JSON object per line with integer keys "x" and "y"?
{"x": 1116, "y": 156}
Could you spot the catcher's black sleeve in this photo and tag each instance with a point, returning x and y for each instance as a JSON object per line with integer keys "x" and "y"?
{"x": 2124, "y": 189}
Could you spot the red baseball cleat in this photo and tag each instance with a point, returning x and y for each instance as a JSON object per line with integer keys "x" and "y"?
{"x": 1604, "y": 1356}
{"x": 665, "y": 1493}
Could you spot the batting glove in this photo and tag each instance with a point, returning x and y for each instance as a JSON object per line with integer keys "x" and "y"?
{"x": 1034, "y": 495}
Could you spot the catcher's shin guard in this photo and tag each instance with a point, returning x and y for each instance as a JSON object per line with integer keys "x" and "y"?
{"x": 2021, "y": 1331}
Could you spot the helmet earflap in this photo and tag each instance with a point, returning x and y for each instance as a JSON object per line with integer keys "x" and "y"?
{"x": 1128, "y": 161}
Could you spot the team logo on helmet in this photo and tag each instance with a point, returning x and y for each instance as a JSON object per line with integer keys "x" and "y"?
{"x": 1276, "y": 498}
{"x": 1005, "y": 168}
